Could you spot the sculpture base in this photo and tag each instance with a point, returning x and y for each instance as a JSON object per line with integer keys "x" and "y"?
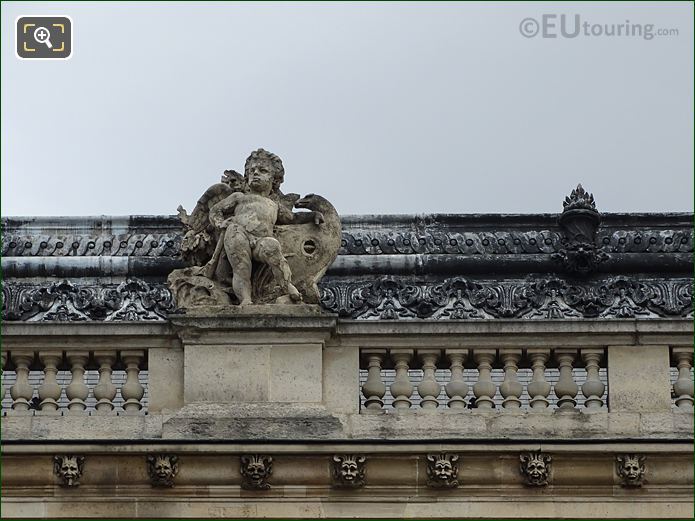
{"x": 253, "y": 354}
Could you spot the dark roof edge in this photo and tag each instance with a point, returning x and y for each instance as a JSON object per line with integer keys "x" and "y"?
{"x": 130, "y": 222}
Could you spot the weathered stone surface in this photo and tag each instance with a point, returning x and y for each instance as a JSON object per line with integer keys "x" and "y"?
{"x": 248, "y": 246}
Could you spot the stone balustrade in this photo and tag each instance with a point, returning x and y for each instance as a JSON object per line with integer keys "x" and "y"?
{"x": 485, "y": 378}
{"x": 75, "y": 382}
{"x": 682, "y": 366}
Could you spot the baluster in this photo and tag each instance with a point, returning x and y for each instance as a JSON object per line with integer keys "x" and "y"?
{"x": 539, "y": 387}
{"x": 49, "y": 390}
{"x": 132, "y": 391}
{"x": 3, "y": 357}
{"x": 457, "y": 389}
{"x": 428, "y": 388}
{"x": 565, "y": 388}
{"x": 22, "y": 391}
{"x": 373, "y": 388}
{"x": 484, "y": 389}
{"x": 77, "y": 391}
{"x": 593, "y": 388}
{"x": 401, "y": 388}
{"x": 105, "y": 390}
{"x": 511, "y": 388}
{"x": 683, "y": 387}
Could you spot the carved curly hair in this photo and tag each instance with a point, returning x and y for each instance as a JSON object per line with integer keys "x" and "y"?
{"x": 270, "y": 158}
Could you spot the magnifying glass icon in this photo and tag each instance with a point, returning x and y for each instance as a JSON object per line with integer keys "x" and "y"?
{"x": 43, "y": 35}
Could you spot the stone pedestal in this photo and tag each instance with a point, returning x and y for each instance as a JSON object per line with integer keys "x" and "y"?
{"x": 250, "y": 363}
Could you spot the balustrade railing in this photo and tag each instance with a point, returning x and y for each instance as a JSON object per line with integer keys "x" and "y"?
{"x": 682, "y": 370}
{"x": 54, "y": 382}
{"x": 485, "y": 379}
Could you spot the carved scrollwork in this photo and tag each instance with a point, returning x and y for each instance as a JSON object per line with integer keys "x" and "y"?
{"x": 542, "y": 298}
{"x": 66, "y": 301}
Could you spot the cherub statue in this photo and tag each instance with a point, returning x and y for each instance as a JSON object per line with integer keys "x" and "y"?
{"x": 248, "y": 246}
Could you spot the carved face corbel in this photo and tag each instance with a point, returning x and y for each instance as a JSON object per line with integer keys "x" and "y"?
{"x": 162, "y": 469}
{"x": 69, "y": 469}
{"x": 349, "y": 470}
{"x": 255, "y": 471}
{"x": 535, "y": 467}
{"x": 631, "y": 469}
{"x": 442, "y": 470}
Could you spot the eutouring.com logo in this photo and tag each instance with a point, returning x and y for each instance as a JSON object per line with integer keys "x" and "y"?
{"x": 572, "y": 26}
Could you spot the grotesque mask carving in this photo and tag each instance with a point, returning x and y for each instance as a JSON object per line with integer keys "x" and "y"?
{"x": 255, "y": 471}
{"x": 442, "y": 470}
{"x": 69, "y": 469}
{"x": 162, "y": 469}
{"x": 631, "y": 469}
{"x": 535, "y": 467}
{"x": 348, "y": 470}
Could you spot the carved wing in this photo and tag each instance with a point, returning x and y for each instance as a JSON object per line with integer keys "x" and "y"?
{"x": 199, "y": 219}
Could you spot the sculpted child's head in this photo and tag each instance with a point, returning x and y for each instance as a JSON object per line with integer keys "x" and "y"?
{"x": 263, "y": 172}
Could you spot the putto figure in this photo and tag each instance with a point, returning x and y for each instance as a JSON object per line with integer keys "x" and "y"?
{"x": 535, "y": 467}
{"x": 69, "y": 469}
{"x": 255, "y": 471}
{"x": 442, "y": 470}
{"x": 631, "y": 469}
{"x": 348, "y": 470}
{"x": 248, "y": 246}
{"x": 162, "y": 469}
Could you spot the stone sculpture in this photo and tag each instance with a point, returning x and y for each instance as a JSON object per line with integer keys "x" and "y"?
{"x": 162, "y": 469}
{"x": 247, "y": 245}
{"x": 535, "y": 467}
{"x": 255, "y": 471}
{"x": 69, "y": 469}
{"x": 579, "y": 221}
{"x": 631, "y": 469}
{"x": 348, "y": 470}
{"x": 442, "y": 470}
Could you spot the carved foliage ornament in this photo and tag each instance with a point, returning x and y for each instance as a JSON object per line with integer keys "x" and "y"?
{"x": 255, "y": 471}
{"x": 65, "y": 301}
{"x": 69, "y": 469}
{"x": 389, "y": 298}
{"x": 377, "y": 299}
{"x": 162, "y": 469}
{"x": 349, "y": 470}
{"x": 442, "y": 470}
{"x": 535, "y": 468}
{"x": 631, "y": 469}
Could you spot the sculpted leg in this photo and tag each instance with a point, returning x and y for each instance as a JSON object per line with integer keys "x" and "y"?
{"x": 238, "y": 250}
{"x": 268, "y": 251}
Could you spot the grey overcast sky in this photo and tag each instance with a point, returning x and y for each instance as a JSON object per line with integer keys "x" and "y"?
{"x": 382, "y": 108}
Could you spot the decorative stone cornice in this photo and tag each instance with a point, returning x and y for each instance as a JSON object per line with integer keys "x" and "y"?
{"x": 381, "y": 298}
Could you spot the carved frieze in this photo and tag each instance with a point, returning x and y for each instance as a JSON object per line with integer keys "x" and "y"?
{"x": 381, "y": 298}
{"x": 389, "y": 298}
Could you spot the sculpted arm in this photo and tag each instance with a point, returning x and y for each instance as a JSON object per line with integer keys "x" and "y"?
{"x": 224, "y": 207}
{"x": 286, "y": 216}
